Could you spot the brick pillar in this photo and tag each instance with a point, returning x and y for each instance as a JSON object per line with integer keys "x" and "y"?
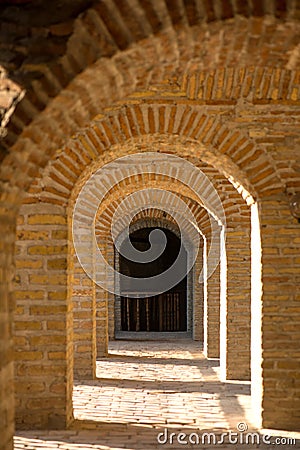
{"x": 236, "y": 304}
{"x": 84, "y": 293}
{"x": 102, "y": 298}
{"x": 84, "y": 314}
{"x": 211, "y": 345}
{"x": 278, "y": 376}
{"x": 7, "y": 227}
{"x": 102, "y": 322}
{"x": 112, "y": 260}
{"x": 43, "y": 323}
{"x": 198, "y": 295}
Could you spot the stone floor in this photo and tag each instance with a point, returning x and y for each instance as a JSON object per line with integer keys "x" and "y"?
{"x": 147, "y": 388}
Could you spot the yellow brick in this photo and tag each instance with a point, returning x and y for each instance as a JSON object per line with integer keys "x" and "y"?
{"x": 19, "y": 309}
{"x": 29, "y": 387}
{"x": 28, "y": 356}
{"x": 47, "y": 219}
{"x": 83, "y": 348}
{"x": 28, "y": 264}
{"x": 82, "y": 336}
{"x": 58, "y": 388}
{"x": 57, "y": 264}
{"x": 288, "y": 364}
{"x": 59, "y": 234}
{"x": 294, "y": 270}
{"x": 20, "y": 220}
{"x": 48, "y": 309}
{"x": 47, "y": 250}
{"x": 32, "y": 235}
{"x": 86, "y": 304}
{"x": 143, "y": 94}
{"x": 20, "y": 341}
{"x": 42, "y": 371}
{"x": 27, "y": 325}
{"x": 33, "y": 295}
{"x": 56, "y": 355}
{"x": 56, "y": 325}
{"x": 46, "y": 279}
{"x": 48, "y": 339}
{"x": 52, "y": 403}
{"x": 83, "y": 314}
{"x": 57, "y": 295}
{"x": 294, "y": 95}
{"x": 87, "y": 146}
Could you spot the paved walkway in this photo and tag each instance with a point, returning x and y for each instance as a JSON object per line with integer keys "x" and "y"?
{"x": 146, "y": 388}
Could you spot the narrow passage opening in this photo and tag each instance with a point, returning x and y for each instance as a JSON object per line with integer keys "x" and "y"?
{"x": 166, "y": 312}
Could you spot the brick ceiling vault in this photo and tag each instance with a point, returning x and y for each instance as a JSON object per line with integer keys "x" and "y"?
{"x": 72, "y": 65}
{"x": 105, "y": 215}
{"x": 234, "y": 206}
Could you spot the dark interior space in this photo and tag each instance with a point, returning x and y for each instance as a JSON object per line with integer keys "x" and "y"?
{"x": 166, "y": 312}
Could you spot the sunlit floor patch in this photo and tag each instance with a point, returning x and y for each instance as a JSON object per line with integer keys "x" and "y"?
{"x": 161, "y": 383}
{"x": 144, "y": 388}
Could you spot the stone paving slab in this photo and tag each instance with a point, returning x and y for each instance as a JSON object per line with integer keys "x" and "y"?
{"x": 150, "y": 388}
{"x": 167, "y": 382}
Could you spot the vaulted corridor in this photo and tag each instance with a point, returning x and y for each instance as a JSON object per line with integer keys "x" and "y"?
{"x": 140, "y": 135}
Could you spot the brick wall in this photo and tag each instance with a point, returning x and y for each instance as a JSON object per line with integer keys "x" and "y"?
{"x": 280, "y": 314}
{"x": 43, "y": 319}
{"x": 7, "y": 227}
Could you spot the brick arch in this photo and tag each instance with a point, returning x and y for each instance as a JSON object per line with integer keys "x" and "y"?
{"x": 37, "y": 139}
{"x": 84, "y": 205}
{"x": 195, "y": 292}
{"x": 223, "y": 144}
{"x": 56, "y": 204}
{"x": 82, "y": 98}
{"x": 217, "y": 143}
{"x": 173, "y": 25}
{"x": 103, "y": 228}
{"x": 56, "y": 194}
{"x": 104, "y": 216}
{"x": 231, "y": 201}
{"x": 136, "y": 185}
{"x": 158, "y": 218}
{"x": 157, "y": 144}
{"x": 64, "y": 170}
{"x": 239, "y": 225}
{"x": 155, "y": 217}
{"x": 83, "y": 365}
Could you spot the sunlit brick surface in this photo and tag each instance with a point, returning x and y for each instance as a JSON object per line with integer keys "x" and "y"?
{"x": 143, "y": 388}
{"x": 160, "y": 383}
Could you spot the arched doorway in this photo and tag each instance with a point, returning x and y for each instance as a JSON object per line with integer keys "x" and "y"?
{"x": 152, "y": 311}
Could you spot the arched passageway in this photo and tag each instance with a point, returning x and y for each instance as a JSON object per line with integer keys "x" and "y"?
{"x": 156, "y": 87}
